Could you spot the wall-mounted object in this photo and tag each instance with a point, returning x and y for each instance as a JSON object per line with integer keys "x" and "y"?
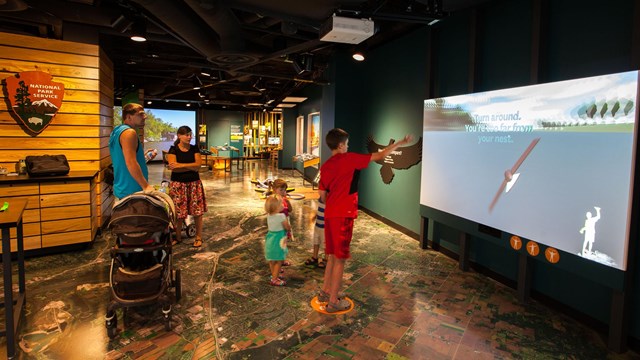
{"x": 34, "y": 99}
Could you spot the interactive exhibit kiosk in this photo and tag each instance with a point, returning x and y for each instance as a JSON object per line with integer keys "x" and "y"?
{"x": 547, "y": 170}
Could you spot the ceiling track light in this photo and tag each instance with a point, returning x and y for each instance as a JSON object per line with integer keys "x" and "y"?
{"x": 197, "y": 84}
{"x": 139, "y": 31}
{"x": 297, "y": 66}
{"x": 303, "y": 63}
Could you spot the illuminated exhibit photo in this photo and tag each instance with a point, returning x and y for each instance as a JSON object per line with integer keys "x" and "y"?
{"x": 552, "y": 163}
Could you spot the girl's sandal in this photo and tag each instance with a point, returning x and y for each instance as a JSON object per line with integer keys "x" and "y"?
{"x": 277, "y": 282}
{"x": 286, "y": 263}
{"x": 197, "y": 243}
{"x": 322, "y": 263}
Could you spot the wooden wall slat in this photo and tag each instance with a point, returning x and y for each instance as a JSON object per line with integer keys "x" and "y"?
{"x": 35, "y": 143}
{"x": 69, "y": 107}
{"x": 11, "y": 67}
{"x": 48, "y": 44}
{"x": 104, "y": 142}
{"x": 71, "y": 155}
{"x": 47, "y": 57}
{"x": 106, "y": 99}
{"x": 71, "y": 83}
{"x": 66, "y": 238}
{"x": 53, "y": 131}
{"x": 105, "y": 76}
{"x": 106, "y": 121}
{"x": 60, "y": 119}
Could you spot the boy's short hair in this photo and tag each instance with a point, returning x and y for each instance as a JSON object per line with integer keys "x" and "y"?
{"x": 335, "y": 137}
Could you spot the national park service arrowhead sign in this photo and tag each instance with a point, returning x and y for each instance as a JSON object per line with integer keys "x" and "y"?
{"x": 34, "y": 99}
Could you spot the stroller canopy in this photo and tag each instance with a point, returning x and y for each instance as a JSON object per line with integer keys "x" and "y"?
{"x": 142, "y": 213}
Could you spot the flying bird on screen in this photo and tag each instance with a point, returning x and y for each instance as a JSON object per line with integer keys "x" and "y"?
{"x": 400, "y": 159}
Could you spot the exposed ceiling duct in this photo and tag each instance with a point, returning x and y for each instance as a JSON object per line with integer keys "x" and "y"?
{"x": 254, "y": 51}
{"x": 184, "y": 24}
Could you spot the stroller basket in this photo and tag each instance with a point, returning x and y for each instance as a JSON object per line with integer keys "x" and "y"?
{"x": 130, "y": 285}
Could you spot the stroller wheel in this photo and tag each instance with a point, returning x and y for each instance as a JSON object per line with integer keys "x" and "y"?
{"x": 167, "y": 318}
{"x": 111, "y": 323}
{"x": 177, "y": 284}
{"x": 191, "y": 230}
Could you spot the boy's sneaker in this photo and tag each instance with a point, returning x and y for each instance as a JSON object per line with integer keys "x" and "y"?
{"x": 341, "y": 305}
{"x": 323, "y": 296}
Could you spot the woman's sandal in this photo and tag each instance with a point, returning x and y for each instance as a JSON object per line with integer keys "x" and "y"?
{"x": 322, "y": 263}
{"x": 311, "y": 261}
{"x": 286, "y": 263}
{"x": 197, "y": 242}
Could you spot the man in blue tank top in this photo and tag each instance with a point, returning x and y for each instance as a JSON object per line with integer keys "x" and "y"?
{"x": 130, "y": 173}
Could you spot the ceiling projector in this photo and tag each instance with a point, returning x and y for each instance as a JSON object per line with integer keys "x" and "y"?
{"x": 347, "y": 30}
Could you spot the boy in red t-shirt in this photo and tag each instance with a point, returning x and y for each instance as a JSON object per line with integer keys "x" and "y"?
{"x": 338, "y": 189}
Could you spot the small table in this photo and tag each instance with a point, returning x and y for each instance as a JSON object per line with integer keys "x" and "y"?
{"x": 12, "y": 217}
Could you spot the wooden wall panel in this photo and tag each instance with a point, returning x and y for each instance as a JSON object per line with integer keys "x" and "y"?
{"x": 68, "y": 47}
{"x": 60, "y": 119}
{"x": 47, "y": 57}
{"x": 50, "y": 143}
{"x": 81, "y": 128}
{"x": 64, "y": 71}
{"x": 102, "y": 192}
{"x": 86, "y": 84}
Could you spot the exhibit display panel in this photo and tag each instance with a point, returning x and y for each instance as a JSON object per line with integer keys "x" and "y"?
{"x": 553, "y": 163}
{"x": 161, "y": 127}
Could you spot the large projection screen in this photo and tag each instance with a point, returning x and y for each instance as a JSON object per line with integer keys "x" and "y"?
{"x": 553, "y": 163}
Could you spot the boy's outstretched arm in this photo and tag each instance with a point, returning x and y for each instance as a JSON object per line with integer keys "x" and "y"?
{"x": 376, "y": 156}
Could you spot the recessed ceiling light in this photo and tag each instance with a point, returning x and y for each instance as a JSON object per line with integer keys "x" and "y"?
{"x": 358, "y": 56}
{"x": 294, "y": 99}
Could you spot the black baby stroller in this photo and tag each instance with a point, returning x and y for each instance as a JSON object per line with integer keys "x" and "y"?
{"x": 141, "y": 262}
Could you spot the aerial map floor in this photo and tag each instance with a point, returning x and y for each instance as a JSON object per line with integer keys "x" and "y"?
{"x": 409, "y": 303}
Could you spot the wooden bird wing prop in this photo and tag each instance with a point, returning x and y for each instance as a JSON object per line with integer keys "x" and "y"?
{"x": 401, "y": 158}
{"x": 374, "y": 147}
{"x": 406, "y": 156}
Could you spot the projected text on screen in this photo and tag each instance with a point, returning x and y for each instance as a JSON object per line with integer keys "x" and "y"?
{"x": 551, "y": 163}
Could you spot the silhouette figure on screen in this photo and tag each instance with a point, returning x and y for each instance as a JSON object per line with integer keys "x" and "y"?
{"x": 589, "y": 231}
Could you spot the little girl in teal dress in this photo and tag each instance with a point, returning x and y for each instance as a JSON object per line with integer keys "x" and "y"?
{"x": 275, "y": 246}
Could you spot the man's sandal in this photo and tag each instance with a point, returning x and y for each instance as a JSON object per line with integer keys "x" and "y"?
{"x": 197, "y": 243}
{"x": 311, "y": 261}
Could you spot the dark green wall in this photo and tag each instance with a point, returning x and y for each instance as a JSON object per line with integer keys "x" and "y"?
{"x": 393, "y": 110}
{"x": 580, "y": 38}
{"x": 219, "y": 125}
